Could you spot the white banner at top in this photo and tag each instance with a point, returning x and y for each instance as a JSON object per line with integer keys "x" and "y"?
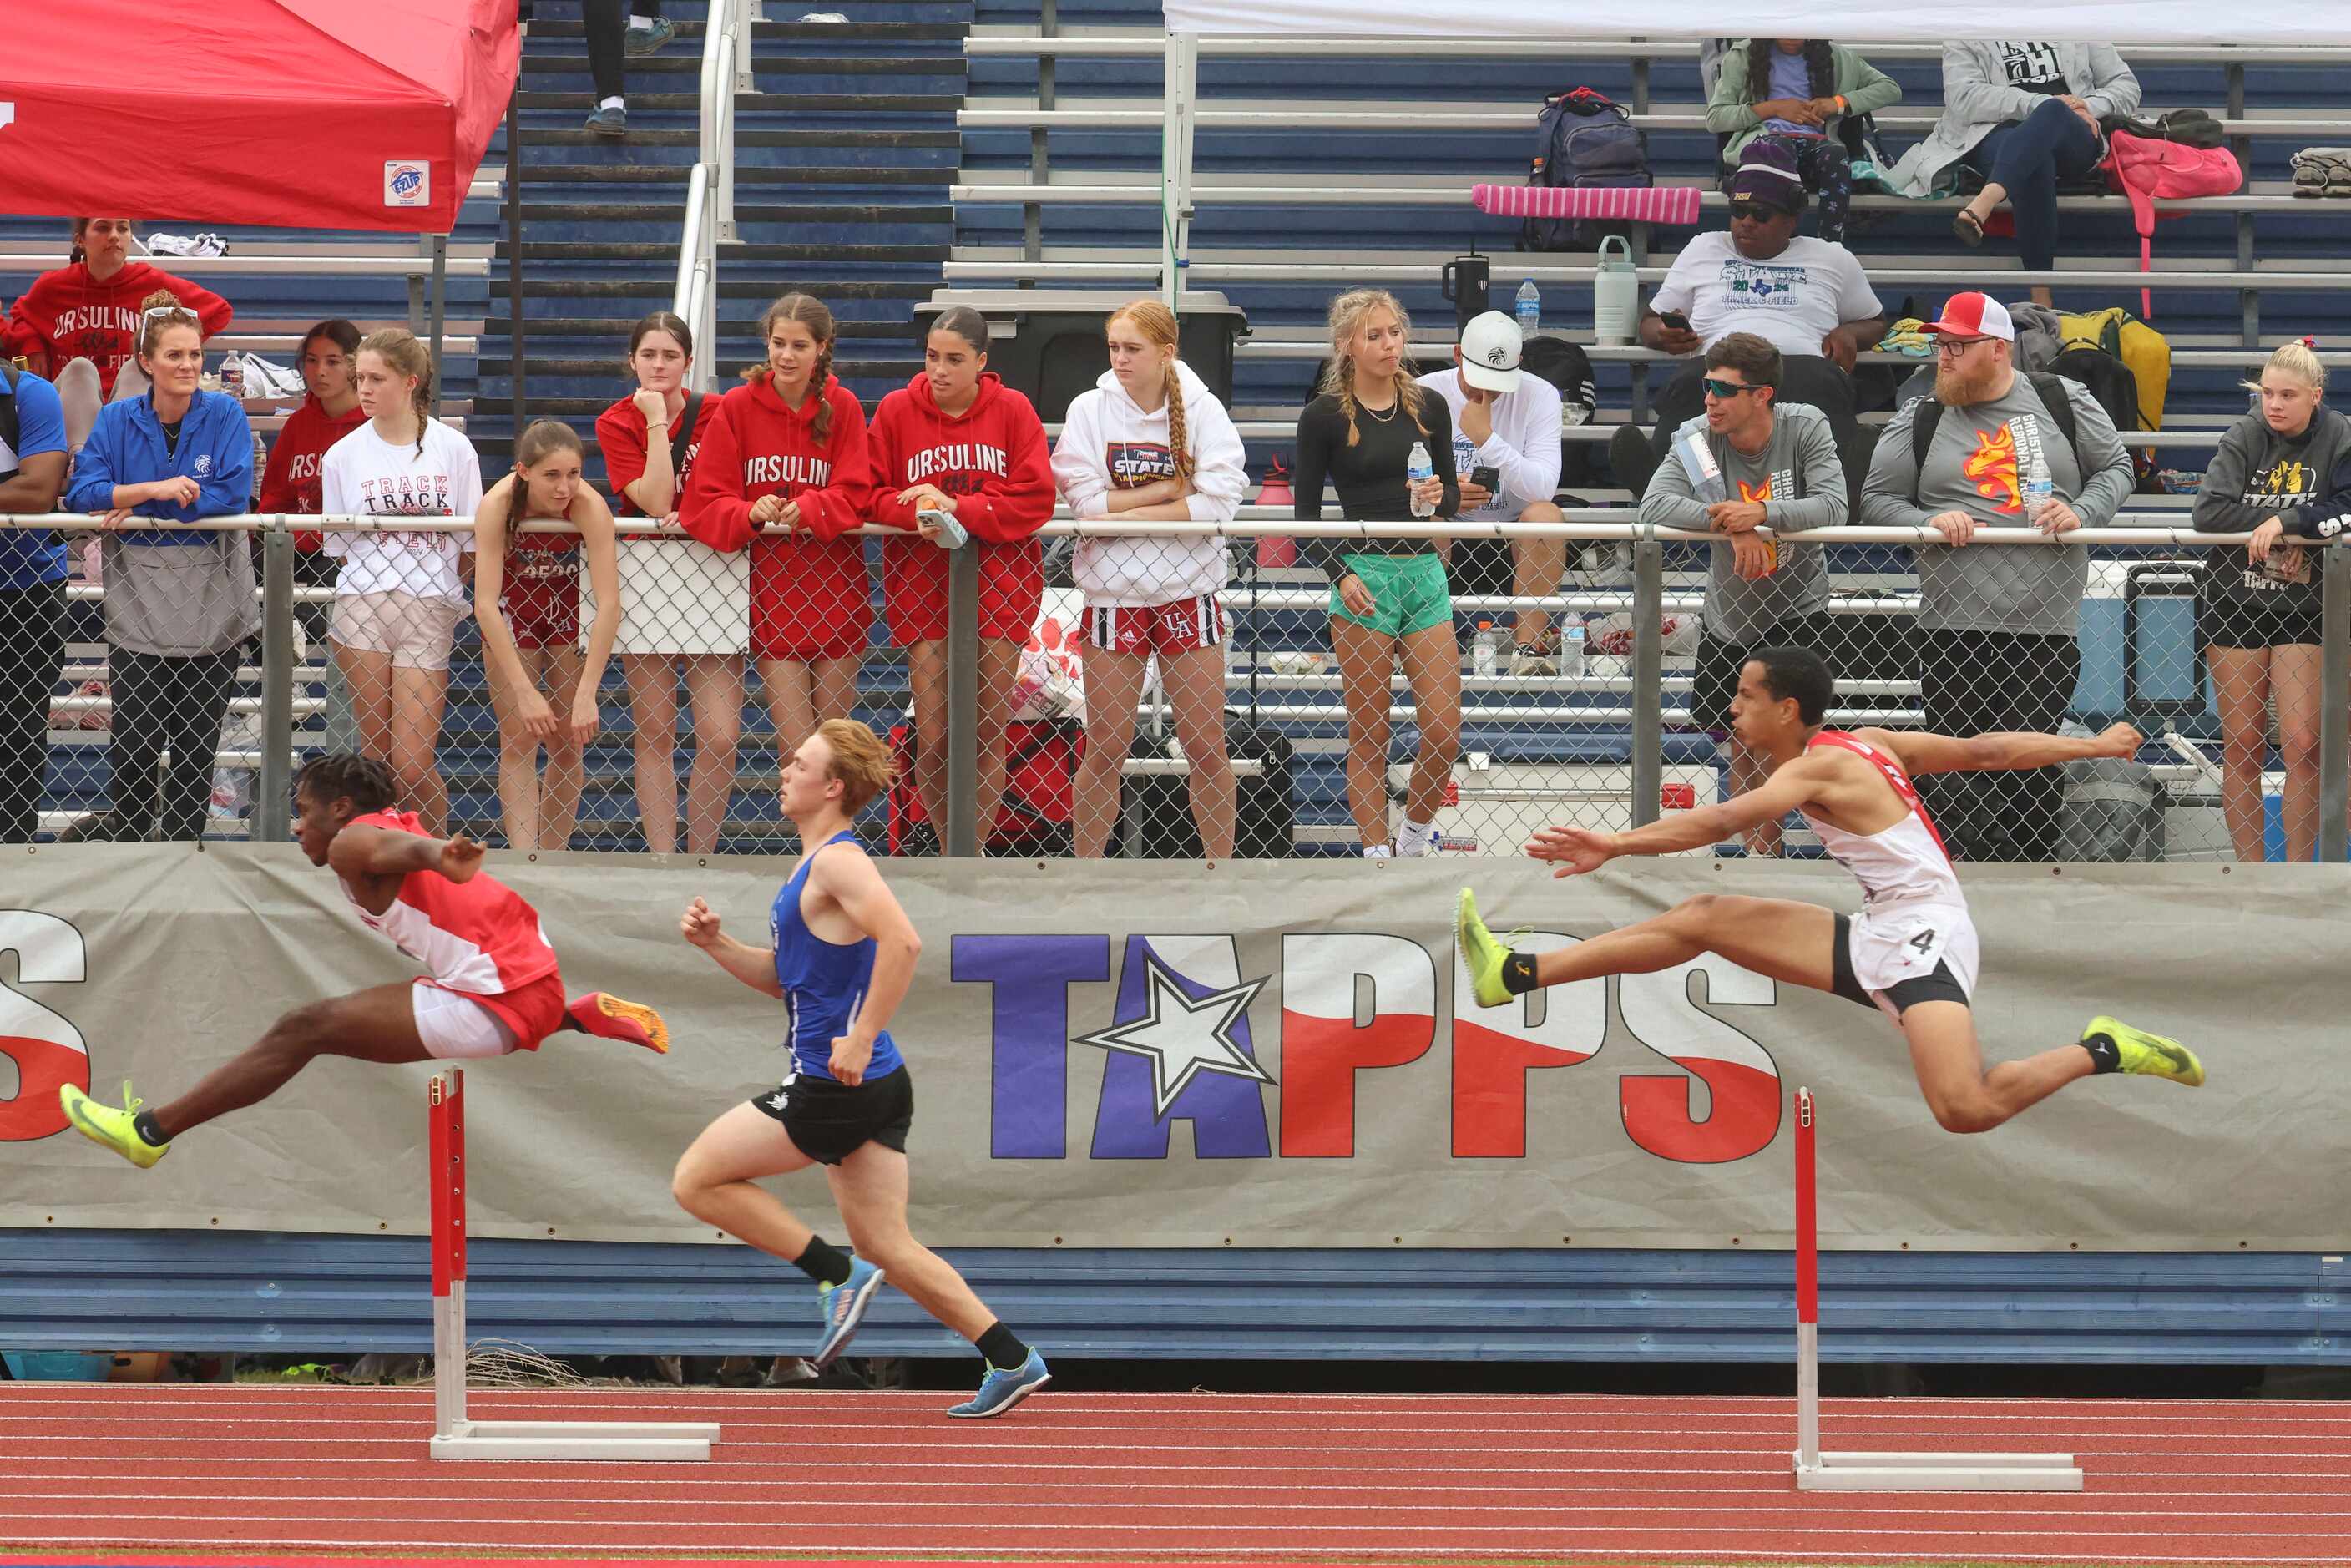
{"x": 2117, "y": 22}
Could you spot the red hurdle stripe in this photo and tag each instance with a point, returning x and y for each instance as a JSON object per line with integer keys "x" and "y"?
{"x": 1808, "y": 1248}
{"x": 446, "y": 1148}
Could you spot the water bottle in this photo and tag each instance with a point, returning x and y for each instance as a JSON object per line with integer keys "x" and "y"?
{"x": 1530, "y": 309}
{"x": 2038, "y": 489}
{"x": 1418, "y": 467}
{"x": 1485, "y": 653}
{"x": 231, "y": 376}
{"x": 1571, "y": 649}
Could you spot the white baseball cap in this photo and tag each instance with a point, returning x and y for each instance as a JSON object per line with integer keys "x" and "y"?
{"x": 1490, "y": 352}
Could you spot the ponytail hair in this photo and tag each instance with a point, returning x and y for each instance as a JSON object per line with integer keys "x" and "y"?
{"x": 1158, "y": 324}
{"x": 2298, "y": 358}
{"x": 398, "y": 346}
{"x": 966, "y": 323}
{"x": 809, "y": 312}
{"x": 1347, "y": 315}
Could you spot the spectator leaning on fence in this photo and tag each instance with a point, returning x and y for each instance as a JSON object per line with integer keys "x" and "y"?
{"x": 685, "y": 605}
{"x": 1746, "y": 462}
{"x": 88, "y": 310}
{"x": 180, "y": 602}
{"x": 1389, "y": 601}
{"x": 1996, "y": 624}
{"x": 400, "y": 595}
{"x": 785, "y": 476}
{"x": 527, "y": 602}
{"x": 1508, "y": 420}
{"x": 32, "y": 593}
{"x": 1150, "y": 443}
{"x": 290, "y": 484}
{"x": 1799, "y": 92}
{"x": 2283, "y": 473}
{"x": 2024, "y": 114}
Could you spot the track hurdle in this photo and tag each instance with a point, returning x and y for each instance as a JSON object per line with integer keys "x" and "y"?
{"x": 1863, "y": 1471}
{"x": 455, "y": 1434}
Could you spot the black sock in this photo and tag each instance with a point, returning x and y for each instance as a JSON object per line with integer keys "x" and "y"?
{"x": 1519, "y": 974}
{"x": 145, "y": 1124}
{"x": 2104, "y": 1055}
{"x": 1001, "y": 1347}
{"x": 823, "y": 1262}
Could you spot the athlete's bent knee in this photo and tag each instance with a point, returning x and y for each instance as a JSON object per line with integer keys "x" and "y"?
{"x": 1967, "y": 1115}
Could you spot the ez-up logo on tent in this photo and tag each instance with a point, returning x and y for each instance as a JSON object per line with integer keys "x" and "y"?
{"x": 407, "y": 182}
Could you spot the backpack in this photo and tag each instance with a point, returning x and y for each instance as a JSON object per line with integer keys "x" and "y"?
{"x": 2147, "y": 351}
{"x": 2117, "y": 389}
{"x": 2053, "y": 397}
{"x": 2146, "y": 169}
{"x": 2188, "y": 126}
{"x": 1584, "y": 138}
{"x": 2112, "y": 811}
{"x": 1567, "y": 367}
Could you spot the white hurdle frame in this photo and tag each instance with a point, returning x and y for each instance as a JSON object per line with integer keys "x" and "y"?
{"x": 1863, "y": 1471}
{"x": 456, "y": 1436}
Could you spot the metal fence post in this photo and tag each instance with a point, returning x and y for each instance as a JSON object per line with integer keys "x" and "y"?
{"x": 271, "y": 810}
{"x": 961, "y": 834}
{"x": 2334, "y": 720}
{"x": 1649, "y": 678}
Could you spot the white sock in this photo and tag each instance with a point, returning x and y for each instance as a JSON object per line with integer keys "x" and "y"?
{"x": 1415, "y": 838}
{"x": 642, "y": 23}
{"x": 613, "y": 103}
{"x": 1377, "y": 852}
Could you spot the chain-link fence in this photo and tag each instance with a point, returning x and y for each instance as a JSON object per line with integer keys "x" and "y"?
{"x": 169, "y": 684}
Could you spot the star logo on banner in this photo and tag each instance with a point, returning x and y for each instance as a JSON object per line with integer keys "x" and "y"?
{"x": 1183, "y": 1037}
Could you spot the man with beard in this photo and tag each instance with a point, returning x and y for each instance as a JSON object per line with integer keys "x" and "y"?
{"x": 1997, "y": 626}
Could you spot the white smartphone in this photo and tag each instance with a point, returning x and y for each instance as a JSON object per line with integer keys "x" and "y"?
{"x": 952, "y": 534}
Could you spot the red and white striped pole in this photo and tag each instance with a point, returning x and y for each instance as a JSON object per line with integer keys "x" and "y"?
{"x": 1808, "y": 1291}
{"x": 445, "y": 1140}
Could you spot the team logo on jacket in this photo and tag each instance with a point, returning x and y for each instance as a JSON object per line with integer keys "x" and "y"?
{"x": 1134, "y": 463}
{"x": 1991, "y": 467}
{"x": 203, "y": 462}
{"x": 2288, "y": 479}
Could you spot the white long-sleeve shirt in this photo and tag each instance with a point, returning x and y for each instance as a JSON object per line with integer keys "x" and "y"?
{"x": 1525, "y": 447}
{"x": 1109, "y": 444}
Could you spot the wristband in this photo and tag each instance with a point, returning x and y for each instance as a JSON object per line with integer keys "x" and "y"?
{"x": 1842, "y": 107}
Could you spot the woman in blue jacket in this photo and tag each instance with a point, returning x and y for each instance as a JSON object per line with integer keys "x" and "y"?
{"x": 180, "y": 602}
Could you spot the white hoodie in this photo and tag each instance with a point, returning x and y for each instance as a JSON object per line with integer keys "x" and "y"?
{"x": 1109, "y": 443}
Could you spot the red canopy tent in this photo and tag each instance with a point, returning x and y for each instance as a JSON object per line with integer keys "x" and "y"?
{"x": 346, "y": 114}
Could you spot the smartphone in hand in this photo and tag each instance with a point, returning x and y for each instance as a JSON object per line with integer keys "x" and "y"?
{"x": 952, "y": 534}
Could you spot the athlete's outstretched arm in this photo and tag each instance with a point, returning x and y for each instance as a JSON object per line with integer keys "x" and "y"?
{"x": 1579, "y": 849}
{"x": 755, "y": 967}
{"x": 855, "y": 884}
{"x": 364, "y": 849}
{"x": 1920, "y": 751}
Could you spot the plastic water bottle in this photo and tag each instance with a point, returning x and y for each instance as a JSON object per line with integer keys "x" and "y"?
{"x": 1530, "y": 309}
{"x": 1418, "y": 467}
{"x": 1571, "y": 649}
{"x": 2038, "y": 489}
{"x": 231, "y": 376}
{"x": 1485, "y": 651}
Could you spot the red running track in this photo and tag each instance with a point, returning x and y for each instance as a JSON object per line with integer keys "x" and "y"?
{"x": 199, "y": 1470}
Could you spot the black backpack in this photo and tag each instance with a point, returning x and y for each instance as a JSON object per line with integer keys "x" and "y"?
{"x": 1584, "y": 138}
{"x": 2053, "y": 397}
{"x": 1566, "y": 366}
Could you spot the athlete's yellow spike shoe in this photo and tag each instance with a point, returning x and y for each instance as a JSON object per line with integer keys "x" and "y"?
{"x": 2135, "y": 1050}
{"x": 1480, "y": 952}
{"x": 114, "y": 1129}
{"x": 609, "y": 1016}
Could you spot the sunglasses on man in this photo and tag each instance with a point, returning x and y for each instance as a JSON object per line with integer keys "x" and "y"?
{"x": 1725, "y": 390}
{"x": 1753, "y": 211}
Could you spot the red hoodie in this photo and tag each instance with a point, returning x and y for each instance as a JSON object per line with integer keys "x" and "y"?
{"x": 69, "y": 315}
{"x": 810, "y": 597}
{"x": 992, "y": 459}
{"x": 621, "y": 434}
{"x": 290, "y": 482}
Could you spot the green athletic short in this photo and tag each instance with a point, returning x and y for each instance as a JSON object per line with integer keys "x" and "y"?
{"x": 1409, "y": 593}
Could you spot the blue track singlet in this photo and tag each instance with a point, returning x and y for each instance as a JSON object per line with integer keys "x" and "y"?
{"x": 824, "y": 982}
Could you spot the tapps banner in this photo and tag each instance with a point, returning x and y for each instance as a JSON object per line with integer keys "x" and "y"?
{"x": 1256, "y": 1055}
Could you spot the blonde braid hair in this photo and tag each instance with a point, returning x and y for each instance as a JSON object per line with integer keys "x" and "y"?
{"x": 1158, "y": 324}
{"x": 1347, "y": 313}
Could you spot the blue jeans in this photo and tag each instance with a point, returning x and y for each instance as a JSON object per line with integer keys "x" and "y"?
{"x": 2027, "y": 157}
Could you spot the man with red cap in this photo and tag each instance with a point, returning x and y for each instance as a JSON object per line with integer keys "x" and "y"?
{"x": 1997, "y": 624}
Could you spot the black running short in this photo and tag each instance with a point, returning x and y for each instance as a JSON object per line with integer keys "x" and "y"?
{"x": 1941, "y": 986}
{"x": 830, "y": 1121}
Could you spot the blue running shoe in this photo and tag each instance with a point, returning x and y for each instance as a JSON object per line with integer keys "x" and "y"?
{"x": 1000, "y": 1391}
{"x": 844, "y": 1307}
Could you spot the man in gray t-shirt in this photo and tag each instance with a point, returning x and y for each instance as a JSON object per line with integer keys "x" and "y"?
{"x": 1997, "y": 623}
{"x": 1749, "y": 461}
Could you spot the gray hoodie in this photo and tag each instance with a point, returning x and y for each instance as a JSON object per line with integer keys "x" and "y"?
{"x": 1802, "y": 485}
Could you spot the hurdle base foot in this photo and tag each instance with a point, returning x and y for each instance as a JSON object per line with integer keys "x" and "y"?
{"x": 1864, "y": 1471}
{"x": 644, "y": 1442}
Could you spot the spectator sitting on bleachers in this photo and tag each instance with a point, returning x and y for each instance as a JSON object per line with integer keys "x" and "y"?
{"x": 1997, "y": 625}
{"x": 88, "y": 310}
{"x": 32, "y": 594}
{"x": 2283, "y": 474}
{"x": 1508, "y": 420}
{"x": 2024, "y": 114}
{"x": 1773, "y": 465}
{"x": 1807, "y": 297}
{"x": 1390, "y": 600}
{"x": 1150, "y": 443}
{"x": 180, "y": 603}
{"x": 1799, "y": 92}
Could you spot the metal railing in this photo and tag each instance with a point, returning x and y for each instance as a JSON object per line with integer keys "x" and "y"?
{"x": 710, "y": 188}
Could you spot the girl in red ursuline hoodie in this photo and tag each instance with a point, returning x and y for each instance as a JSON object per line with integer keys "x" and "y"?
{"x": 89, "y": 308}
{"x": 783, "y": 472}
{"x": 956, "y": 439}
{"x": 330, "y": 360}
